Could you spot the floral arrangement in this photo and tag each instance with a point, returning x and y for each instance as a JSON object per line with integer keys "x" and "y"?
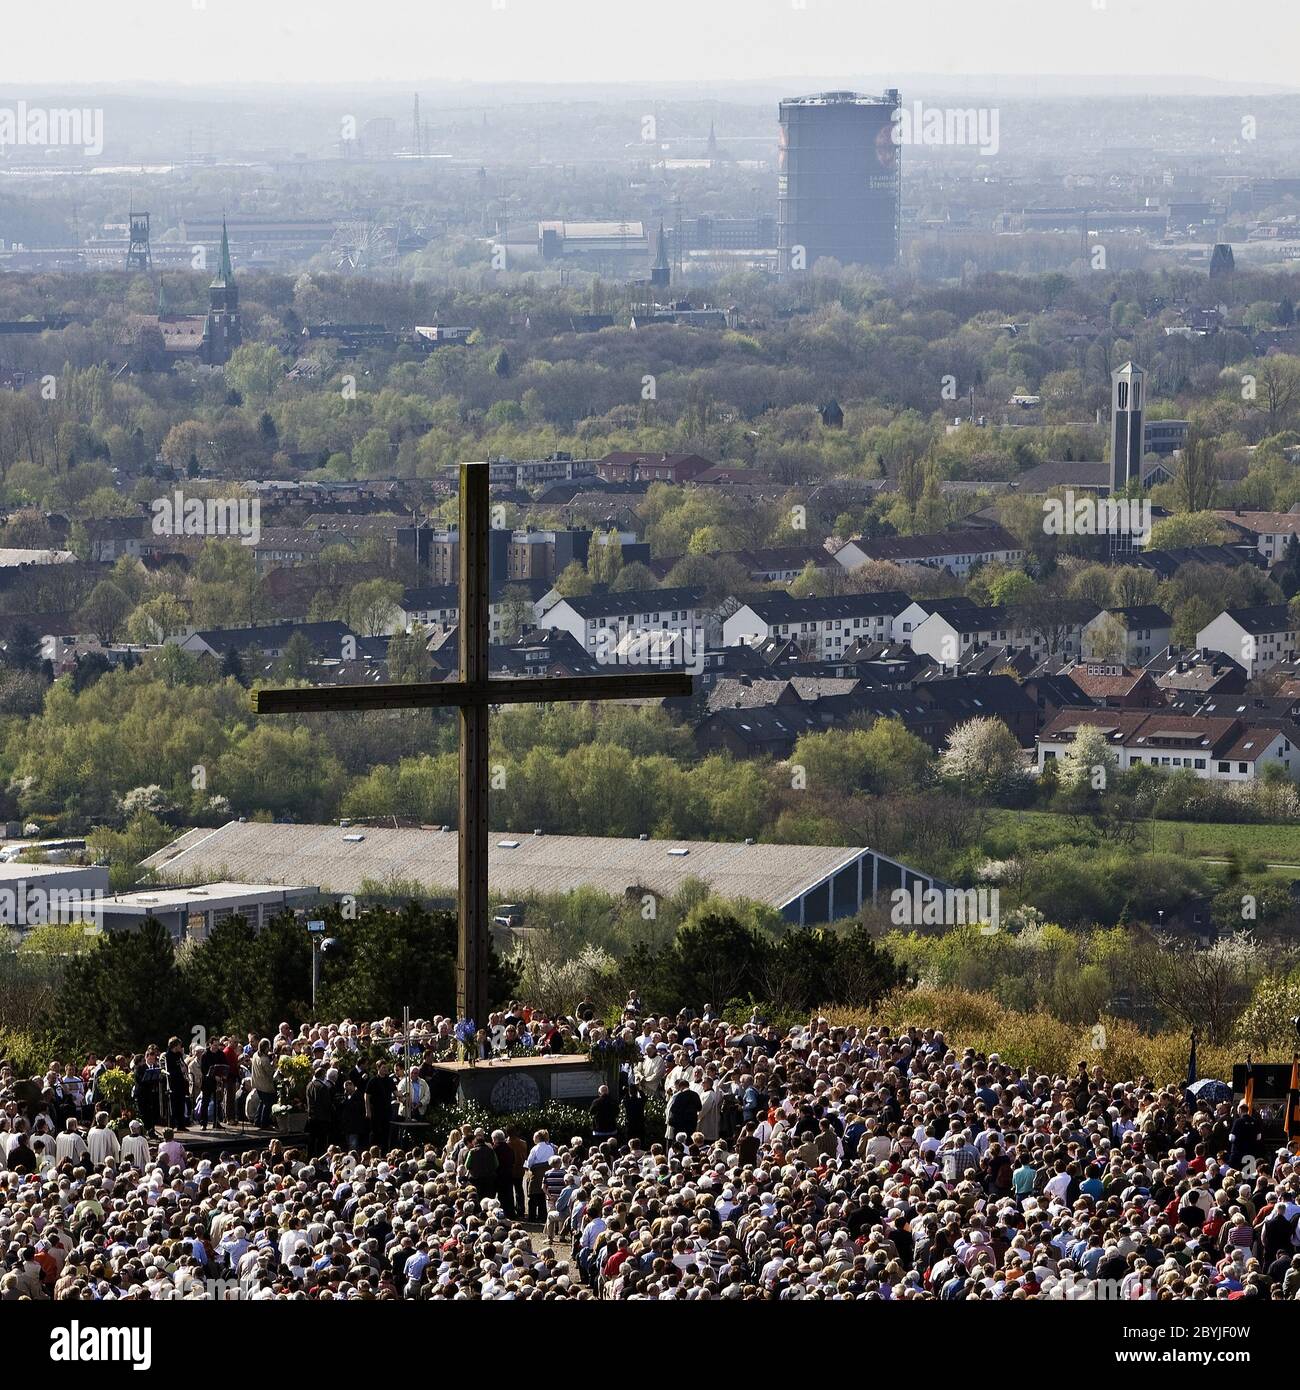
{"x": 294, "y": 1071}
{"x": 569, "y": 1047}
{"x": 466, "y": 1035}
{"x": 113, "y": 1092}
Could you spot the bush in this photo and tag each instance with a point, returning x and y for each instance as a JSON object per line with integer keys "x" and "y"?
{"x": 27, "y": 1051}
{"x": 715, "y": 959}
{"x": 30, "y": 983}
{"x": 1266, "y": 1024}
{"x": 124, "y": 991}
{"x": 1040, "y": 1042}
{"x": 556, "y": 984}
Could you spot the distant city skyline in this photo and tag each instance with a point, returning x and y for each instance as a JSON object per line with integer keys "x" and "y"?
{"x": 80, "y": 42}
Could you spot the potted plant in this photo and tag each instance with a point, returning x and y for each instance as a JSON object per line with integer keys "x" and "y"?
{"x": 467, "y": 1036}
{"x": 113, "y": 1092}
{"x": 293, "y": 1072}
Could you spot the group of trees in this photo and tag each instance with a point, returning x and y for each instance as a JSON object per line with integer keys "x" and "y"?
{"x": 136, "y": 752}
{"x": 749, "y": 397}
{"x": 124, "y": 989}
{"x": 720, "y": 961}
{"x": 161, "y": 724}
{"x": 130, "y": 988}
{"x": 596, "y": 789}
{"x": 1080, "y": 975}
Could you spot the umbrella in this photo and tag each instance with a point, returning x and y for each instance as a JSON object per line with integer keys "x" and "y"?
{"x": 1209, "y": 1091}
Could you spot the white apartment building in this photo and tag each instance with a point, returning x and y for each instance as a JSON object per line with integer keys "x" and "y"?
{"x": 824, "y": 627}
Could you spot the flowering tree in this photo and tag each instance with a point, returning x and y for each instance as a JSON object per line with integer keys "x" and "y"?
{"x": 1088, "y": 762}
{"x": 983, "y": 756}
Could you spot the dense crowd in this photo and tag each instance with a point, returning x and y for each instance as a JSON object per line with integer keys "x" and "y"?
{"x": 723, "y": 1161}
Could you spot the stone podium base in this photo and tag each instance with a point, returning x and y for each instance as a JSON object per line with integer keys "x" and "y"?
{"x": 520, "y": 1083}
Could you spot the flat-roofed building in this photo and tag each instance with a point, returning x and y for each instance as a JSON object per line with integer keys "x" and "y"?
{"x": 807, "y": 884}
{"x": 189, "y": 914}
{"x": 34, "y": 894}
{"x": 617, "y": 247}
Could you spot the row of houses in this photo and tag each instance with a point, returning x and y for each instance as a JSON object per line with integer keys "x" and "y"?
{"x": 959, "y": 550}
{"x": 929, "y": 710}
{"x": 946, "y": 630}
{"x": 1236, "y": 748}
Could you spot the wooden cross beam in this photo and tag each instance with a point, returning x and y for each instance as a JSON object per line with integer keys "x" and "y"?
{"x": 474, "y": 693}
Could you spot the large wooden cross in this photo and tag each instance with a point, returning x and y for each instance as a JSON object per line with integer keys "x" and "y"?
{"x": 473, "y": 694}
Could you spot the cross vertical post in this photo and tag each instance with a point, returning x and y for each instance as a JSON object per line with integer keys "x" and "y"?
{"x": 475, "y": 578}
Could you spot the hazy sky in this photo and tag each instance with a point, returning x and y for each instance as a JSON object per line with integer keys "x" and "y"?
{"x": 206, "y": 41}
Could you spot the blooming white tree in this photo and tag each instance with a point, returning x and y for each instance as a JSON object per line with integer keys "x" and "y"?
{"x": 1268, "y": 1022}
{"x": 1088, "y": 762}
{"x": 151, "y": 800}
{"x": 983, "y": 755}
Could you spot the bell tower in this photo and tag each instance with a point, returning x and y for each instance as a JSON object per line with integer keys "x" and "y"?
{"x": 223, "y": 332}
{"x": 1127, "y": 409}
{"x": 661, "y": 273}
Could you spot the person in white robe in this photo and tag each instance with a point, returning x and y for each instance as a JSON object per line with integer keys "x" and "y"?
{"x": 71, "y": 1146}
{"x": 135, "y": 1147}
{"x": 195, "y": 1069}
{"x": 710, "y": 1109}
{"x": 101, "y": 1142}
{"x": 650, "y": 1070}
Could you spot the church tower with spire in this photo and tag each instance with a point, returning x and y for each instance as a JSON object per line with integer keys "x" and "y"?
{"x": 223, "y": 331}
{"x": 661, "y": 272}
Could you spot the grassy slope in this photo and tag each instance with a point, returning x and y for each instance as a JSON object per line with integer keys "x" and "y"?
{"x": 1275, "y": 843}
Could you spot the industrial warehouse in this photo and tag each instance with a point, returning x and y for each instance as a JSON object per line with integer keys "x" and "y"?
{"x": 808, "y": 884}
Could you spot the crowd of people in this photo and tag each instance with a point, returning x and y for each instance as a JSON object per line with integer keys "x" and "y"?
{"x": 224, "y": 1080}
{"x": 723, "y": 1160}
